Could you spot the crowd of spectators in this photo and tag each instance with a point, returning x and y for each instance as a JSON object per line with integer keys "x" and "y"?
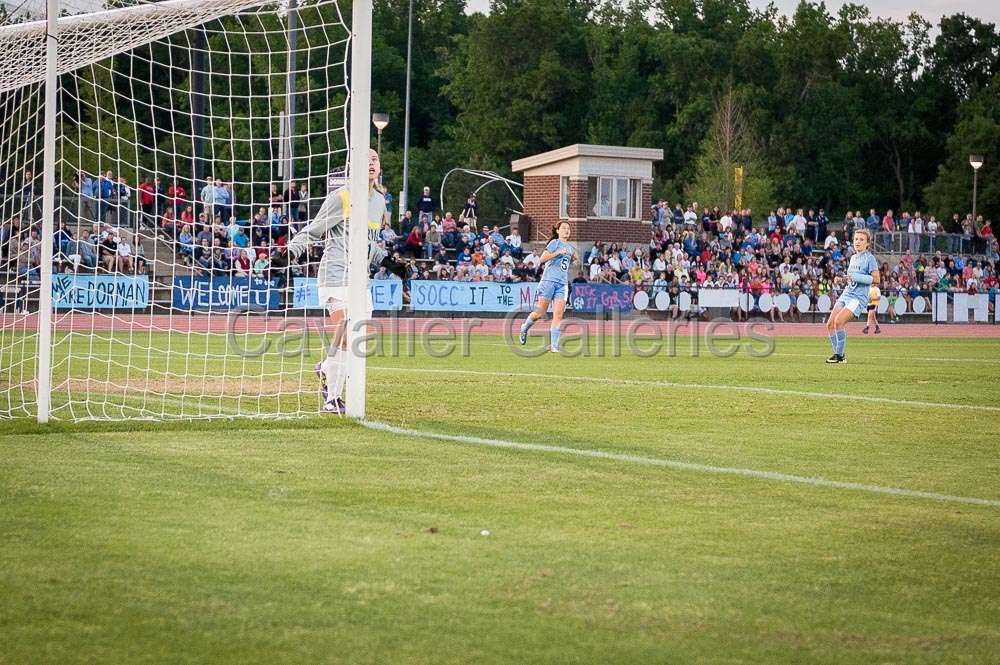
{"x": 98, "y": 248}
{"x": 690, "y": 247}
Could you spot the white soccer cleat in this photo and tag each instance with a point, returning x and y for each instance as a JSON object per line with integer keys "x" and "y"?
{"x": 322, "y": 381}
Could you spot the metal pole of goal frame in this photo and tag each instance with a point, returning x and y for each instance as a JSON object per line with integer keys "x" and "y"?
{"x": 44, "y": 375}
{"x": 360, "y": 140}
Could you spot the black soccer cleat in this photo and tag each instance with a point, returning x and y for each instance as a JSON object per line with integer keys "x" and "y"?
{"x": 836, "y": 359}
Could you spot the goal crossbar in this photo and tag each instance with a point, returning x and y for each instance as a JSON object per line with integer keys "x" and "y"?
{"x": 84, "y": 39}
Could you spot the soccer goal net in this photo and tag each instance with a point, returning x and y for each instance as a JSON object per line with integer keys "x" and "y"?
{"x": 193, "y": 138}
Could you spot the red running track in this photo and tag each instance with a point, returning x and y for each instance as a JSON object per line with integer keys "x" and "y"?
{"x": 219, "y": 323}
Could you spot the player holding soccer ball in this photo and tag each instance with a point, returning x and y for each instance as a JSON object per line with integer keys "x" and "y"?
{"x": 862, "y": 272}
{"x": 330, "y": 226}
{"x": 874, "y": 296}
{"x": 554, "y": 285}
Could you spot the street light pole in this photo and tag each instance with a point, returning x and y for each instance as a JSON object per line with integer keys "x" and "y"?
{"x": 976, "y": 162}
{"x": 381, "y": 121}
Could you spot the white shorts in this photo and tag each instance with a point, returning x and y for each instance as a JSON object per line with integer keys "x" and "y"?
{"x": 334, "y": 299}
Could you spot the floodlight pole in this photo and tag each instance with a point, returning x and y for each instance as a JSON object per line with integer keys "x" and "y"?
{"x": 44, "y": 375}
{"x": 381, "y": 121}
{"x": 404, "y": 198}
{"x": 975, "y": 178}
{"x": 360, "y": 139}
{"x": 289, "y": 128}
{"x": 199, "y": 85}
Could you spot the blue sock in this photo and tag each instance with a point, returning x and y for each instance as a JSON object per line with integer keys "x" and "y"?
{"x": 526, "y": 326}
{"x": 554, "y": 336}
{"x": 834, "y": 341}
{"x": 841, "y": 341}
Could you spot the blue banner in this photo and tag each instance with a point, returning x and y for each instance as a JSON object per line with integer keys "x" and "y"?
{"x": 100, "y": 291}
{"x": 386, "y": 293}
{"x": 435, "y": 296}
{"x": 225, "y": 293}
{"x": 606, "y": 297}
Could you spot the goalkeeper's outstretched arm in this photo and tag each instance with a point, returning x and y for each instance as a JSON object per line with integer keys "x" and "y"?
{"x": 330, "y": 214}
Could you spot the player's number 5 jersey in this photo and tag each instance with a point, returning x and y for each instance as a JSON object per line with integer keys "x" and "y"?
{"x": 557, "y": 269}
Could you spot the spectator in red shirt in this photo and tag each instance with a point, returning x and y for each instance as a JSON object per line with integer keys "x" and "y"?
{"x": 415, "y": 241}
{"x": 176, "y": 195}
{"x": 147, "y": 200}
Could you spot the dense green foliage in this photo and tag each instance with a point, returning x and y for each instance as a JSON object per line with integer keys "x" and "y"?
{"x": 850, "y": 110}
{"x": 845, "y": 110}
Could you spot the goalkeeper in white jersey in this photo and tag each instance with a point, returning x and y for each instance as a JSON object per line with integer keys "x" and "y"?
{"x": 330, "y": 227}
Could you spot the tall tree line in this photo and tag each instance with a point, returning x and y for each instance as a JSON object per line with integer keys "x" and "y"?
{"x": 845, "y": 110}
{"x": 836, "y": 110}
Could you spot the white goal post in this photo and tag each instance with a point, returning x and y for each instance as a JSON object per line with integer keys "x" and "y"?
{"x": 147, "y": 162}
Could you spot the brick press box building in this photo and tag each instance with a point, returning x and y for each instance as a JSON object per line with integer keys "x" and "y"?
{"x": 604, "y": 191}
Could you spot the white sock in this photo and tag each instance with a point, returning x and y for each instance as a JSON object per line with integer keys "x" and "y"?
{"x": 335, "y": 369}
{"x": 340, "y": 357}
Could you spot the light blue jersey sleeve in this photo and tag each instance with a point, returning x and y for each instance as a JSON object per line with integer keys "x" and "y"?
{"x": 865, "y": 264}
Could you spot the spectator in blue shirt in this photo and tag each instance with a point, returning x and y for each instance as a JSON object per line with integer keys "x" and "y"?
{"x": 88, "y": 196}
{"x": 223, "y": 198}
{"x": 108, "y": 194}
{"x": 240, "y": 238}
{"x": 186, "y": 241}
{"x": 678, "y": 214}
{"x": 873, "y": 221}
{"x": 207, "y": 196}
{"x": 61, "y": 239}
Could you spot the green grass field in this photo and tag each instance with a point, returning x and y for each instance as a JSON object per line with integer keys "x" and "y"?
{"x": 319, "y": 540}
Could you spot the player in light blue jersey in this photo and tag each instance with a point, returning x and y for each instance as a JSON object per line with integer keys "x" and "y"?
{"x": 862, "y": 272}
{"x": 554, "y": 285}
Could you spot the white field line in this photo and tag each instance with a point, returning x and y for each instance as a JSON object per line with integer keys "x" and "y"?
{"x": 684, "y": 466}
{"x": 652, "y": 461}
{"x": 698, "y": 386}
{"x": 691, "y": 386}
{"x": 940, "y": 359}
